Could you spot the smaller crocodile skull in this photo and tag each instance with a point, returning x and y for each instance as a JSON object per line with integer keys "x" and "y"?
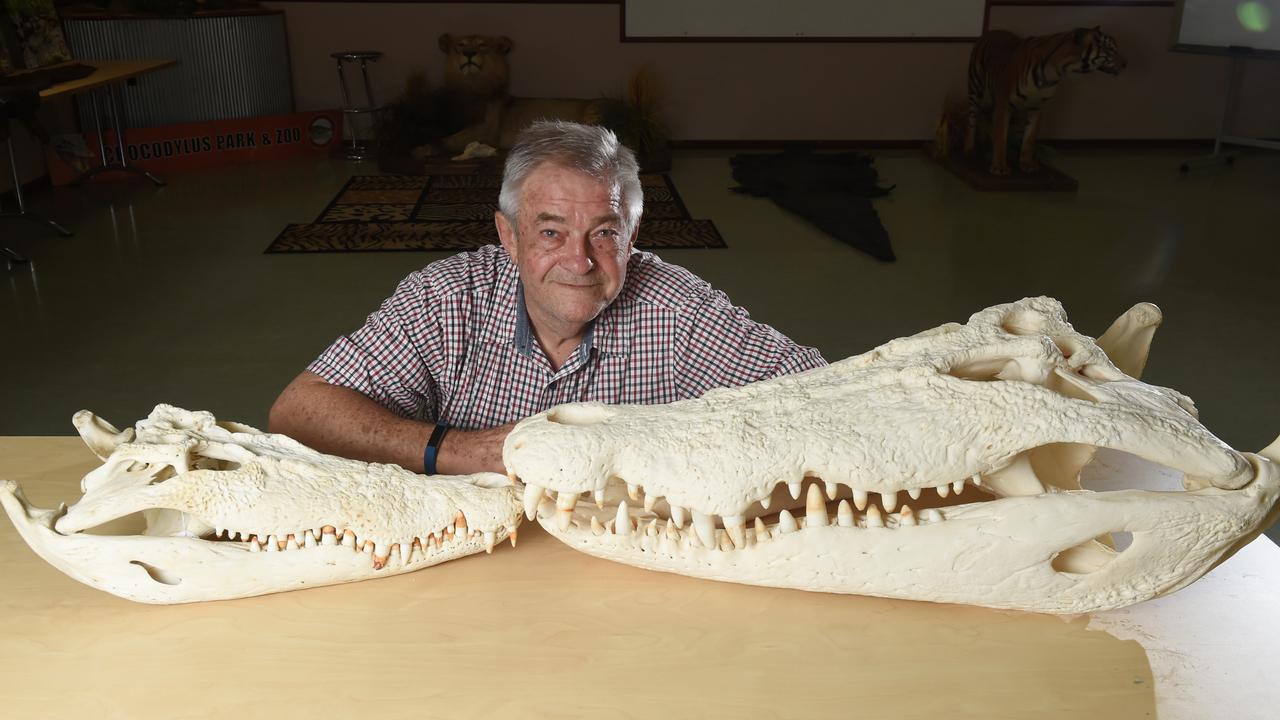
{"x": 943, "y": 466}
{"x": 233, "y": 512}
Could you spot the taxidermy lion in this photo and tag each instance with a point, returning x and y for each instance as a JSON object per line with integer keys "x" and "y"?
{"x": 477, "y": 72}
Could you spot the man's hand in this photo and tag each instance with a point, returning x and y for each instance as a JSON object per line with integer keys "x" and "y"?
{"x": 341, "y": 421}
{"x": 468, "y": 451}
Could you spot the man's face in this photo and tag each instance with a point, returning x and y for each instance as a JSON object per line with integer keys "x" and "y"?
{"x": 570, "y": 245}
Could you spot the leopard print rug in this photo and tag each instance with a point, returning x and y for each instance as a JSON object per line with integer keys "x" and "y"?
{"x": 455, "y": 212}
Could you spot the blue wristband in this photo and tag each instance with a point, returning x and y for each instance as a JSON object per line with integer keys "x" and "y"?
{"x": 433, "y": 448}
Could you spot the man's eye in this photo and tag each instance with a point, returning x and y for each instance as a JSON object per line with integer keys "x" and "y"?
{"x": 608, "y": 232}
{"x": 548, "y": 233}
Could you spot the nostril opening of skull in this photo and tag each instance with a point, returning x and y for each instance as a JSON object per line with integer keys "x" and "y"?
{"x": 579, "y": 415}
{"x": 1022, "y": 322}
{"x": 164, "y": 577}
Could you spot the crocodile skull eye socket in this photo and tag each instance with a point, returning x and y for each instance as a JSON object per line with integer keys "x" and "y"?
{"x": 944, "y": 466}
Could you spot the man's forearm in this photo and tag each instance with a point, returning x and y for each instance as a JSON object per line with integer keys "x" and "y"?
{"x": 341, "y": 421}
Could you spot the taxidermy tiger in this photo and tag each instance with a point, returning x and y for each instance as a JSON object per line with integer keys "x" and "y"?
{"x": 1012, "y": 78}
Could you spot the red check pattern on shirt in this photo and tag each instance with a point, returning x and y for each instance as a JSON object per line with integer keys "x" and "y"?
{"x": 453, "y": 344}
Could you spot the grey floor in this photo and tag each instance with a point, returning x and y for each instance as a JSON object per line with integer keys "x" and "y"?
{"x": 164, "y": 294}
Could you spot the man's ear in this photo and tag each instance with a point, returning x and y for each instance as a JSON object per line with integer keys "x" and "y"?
{"x": 631, "y": 241}
{"x": 506, "y": 234}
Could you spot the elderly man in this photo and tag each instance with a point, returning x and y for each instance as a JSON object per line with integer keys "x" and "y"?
{"x": 564, "y": 311}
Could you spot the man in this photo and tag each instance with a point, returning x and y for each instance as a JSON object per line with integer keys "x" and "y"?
{"x": 564, "y": 311}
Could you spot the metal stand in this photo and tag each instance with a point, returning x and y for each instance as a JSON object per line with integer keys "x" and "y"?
{"x": 357, "y": 148}
{"x": 1219, "y": 157}
{"x": 22, "y": 207}
{"x": 121, "y": 163}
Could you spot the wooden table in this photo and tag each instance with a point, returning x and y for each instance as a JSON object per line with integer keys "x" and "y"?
{"x": 106, "y": 72}
{"x": 544, "y": 631}
{"x": 105, "y": 76}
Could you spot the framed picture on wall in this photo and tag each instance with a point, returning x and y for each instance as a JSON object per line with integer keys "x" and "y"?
{"x": 38, "y": 32}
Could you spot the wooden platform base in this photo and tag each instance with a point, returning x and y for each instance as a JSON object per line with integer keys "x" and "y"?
{"x": 975, "y": 173}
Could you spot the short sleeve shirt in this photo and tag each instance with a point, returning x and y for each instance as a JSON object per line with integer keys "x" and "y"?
{"x": 453, "y": 344}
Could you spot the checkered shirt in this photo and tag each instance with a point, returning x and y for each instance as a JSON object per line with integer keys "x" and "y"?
{"x": 453, "y": 344}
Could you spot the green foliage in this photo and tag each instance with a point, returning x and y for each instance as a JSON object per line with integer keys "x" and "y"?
{"x": 637, "y": 118}
{"x": 636, "y": 130}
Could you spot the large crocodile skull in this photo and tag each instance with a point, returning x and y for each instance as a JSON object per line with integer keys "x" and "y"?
{"x": 233, "y": 512}
{"x": 943, "y": 466}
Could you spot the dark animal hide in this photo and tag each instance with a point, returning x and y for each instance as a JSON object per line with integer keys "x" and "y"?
{"x": 832, "y": 191}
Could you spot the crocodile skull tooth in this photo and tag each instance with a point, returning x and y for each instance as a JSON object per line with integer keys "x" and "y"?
{"x": 705, "y": 527}
{"x": 906, "y": 517}
{"x": 844, "y": 514}
{"x": 622, "y": 520}
{"x": 815, "y": 508}
{"x": 735, "y": 526}
{"x": 762, "y": 532}
{"x": 889, "y": 500}
{"x": 677, "y": 514}
{"x": 1014, "y": 480}
{"x": 860, "y": 500}
{"x": 873, "y": 517}
{"x": 532, "y": 498}
{"x": 787, "y": 522}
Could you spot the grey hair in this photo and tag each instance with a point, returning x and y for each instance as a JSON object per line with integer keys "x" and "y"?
{"x": 589, "y": 149}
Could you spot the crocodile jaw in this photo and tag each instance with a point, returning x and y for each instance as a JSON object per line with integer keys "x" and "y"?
{"x": 1035, "y": 553}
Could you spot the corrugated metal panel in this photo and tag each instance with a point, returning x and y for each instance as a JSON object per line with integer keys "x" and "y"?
{"x": 229, "y": 67}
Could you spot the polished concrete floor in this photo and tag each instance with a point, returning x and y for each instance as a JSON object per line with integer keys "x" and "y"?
{"x": 164, "y": 295}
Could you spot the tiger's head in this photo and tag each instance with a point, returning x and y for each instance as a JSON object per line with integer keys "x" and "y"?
{"x": 476, "y": 64}
{"x": 1094, "y": 50}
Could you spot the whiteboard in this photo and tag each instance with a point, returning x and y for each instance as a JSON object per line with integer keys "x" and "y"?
{"x": 800, "y": 19}
{"x": 1217, "y": 26}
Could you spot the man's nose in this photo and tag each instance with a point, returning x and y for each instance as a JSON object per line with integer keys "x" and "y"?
{"x": 577, "y": 256}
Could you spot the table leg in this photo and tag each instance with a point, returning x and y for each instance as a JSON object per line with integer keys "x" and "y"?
{"x": 97, "y": 127}
{"x": 22, "y": 205}
{"x": 121, "y": 162}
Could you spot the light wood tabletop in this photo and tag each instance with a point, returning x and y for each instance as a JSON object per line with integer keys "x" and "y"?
{"x": 106, "y": 72}
{"x": 545, "y": 631}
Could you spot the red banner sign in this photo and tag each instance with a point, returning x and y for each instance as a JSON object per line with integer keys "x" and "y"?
{"x": 196, "y": 145}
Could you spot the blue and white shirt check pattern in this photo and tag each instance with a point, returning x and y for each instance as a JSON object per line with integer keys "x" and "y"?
{"x": 453, "y": 344}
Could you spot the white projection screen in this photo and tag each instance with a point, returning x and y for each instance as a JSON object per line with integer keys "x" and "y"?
{"x": 800, "y": 19}
{"x": 1228, "y": 26}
